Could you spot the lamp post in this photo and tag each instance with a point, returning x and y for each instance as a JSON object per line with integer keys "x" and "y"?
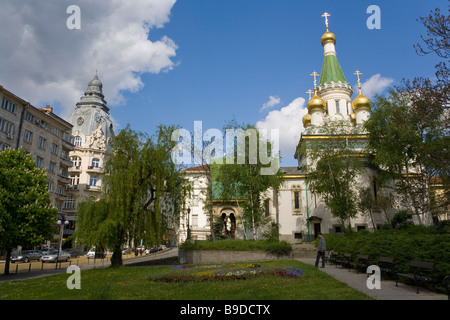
{"x": 61, "y": 222}
{"x": 188, "y": 224}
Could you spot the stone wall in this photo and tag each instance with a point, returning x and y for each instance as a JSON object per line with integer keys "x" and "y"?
{"x": 217, "y": 256}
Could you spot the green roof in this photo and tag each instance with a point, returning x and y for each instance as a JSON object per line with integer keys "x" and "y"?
{"x": 331, "y": 70}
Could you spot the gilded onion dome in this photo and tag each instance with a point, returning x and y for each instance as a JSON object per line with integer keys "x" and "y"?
{"x": 316, "y": 103}
{"x": 328, "y": 36}
{"x": 306, "y": 120}
{"x": 361, "y": 102}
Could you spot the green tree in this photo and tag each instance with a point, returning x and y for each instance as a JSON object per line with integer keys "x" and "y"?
{"x": 27, "y": 217}
{"x": 332, "y": 172}
{"x": 144, "y": 193}
{"x": 244, "y": 179}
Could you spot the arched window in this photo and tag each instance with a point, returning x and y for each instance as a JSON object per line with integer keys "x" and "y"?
{"x": 78, "y": 141}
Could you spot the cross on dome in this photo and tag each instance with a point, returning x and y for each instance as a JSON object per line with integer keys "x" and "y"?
{"x": 326, "y": 15}
{"x": 315, "y": 75}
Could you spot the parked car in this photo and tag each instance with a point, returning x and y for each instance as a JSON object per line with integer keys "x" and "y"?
{"x": 27, "y": 256}
{"x": 54, "y": 257}
{"x": 94, "y": 253}
{"x": 126, "y": 251}
{"x": 74, "y": 253}
{"x": 49, "y": 251}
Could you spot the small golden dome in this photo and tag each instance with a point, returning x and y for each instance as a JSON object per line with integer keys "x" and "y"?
{"x": 361, "y": 102}
{"x": 316, "y": 103}
{"x": 306, "y": 120}
{"x": 328, "y": 36}
{"x": 353, "y": 116}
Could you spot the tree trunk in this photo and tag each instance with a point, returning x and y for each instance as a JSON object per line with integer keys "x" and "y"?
{"x": 116, "y": 259}
{"x": 8, "y": 260}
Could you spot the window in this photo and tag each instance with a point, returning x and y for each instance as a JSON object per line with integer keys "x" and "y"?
{"x": 296, "y": 200}
{"x": 338, "y": 110}
{"x": 75, "y": 180}
{"x": 64, "y": 154}
{"x": 39, "y": 162}
{"x": 78, "y": 141}
{"x": 60, "y": 189}
{"x": 95, "y": 163}
{"x": 5, "y": 104}
{"x": 267, "y": 207}
{"x": 76, "y": 161}
{"x": 54, "y": 148}
{"x": 41, "y": 143}
{"x": 27, "y": 136}
{"x": 2, "y": 124}
{"x": 51, "y": 167}
{"x": 50, "y": 186}
{"x": 8, "y": 105}
{"x": 93, "y": 180}
{"x": 69, "y": 203}
{"x": 195, "y": 220}
{"x": 29, "y": 117}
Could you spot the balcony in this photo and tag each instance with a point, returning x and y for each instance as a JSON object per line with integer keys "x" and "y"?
{"x": 95, "y": 169}
{"x": 94, "y": 188}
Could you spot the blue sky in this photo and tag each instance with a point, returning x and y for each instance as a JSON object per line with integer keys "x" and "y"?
{"x": 226, "y": 58}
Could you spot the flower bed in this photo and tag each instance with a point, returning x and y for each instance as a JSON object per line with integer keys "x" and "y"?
{"x": 227, "y": 272}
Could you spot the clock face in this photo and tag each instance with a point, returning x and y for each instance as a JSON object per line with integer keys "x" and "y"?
{"x": 80, "y": 121}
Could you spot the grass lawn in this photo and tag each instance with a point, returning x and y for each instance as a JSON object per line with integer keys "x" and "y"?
{"x": 144, "y": 283}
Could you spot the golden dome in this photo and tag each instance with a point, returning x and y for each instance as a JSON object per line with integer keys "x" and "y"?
{"x": 306, "y": 120}
{"x": 316, "y": 103}
{"x": 361, "y": 102}
{"x": 353, "y": 116}
{"x": 328, "y": 36}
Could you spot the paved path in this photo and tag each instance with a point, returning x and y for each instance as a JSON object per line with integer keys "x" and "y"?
{"x": 388, "y": 289}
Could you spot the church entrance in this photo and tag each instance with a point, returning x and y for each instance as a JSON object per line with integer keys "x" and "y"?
{"x": 316, "y": 230}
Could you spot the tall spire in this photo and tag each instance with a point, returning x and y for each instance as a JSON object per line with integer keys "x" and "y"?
{"x": 331, "y": 73}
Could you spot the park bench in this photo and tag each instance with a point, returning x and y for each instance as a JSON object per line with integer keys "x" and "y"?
{"x": 333, "y": 258}
{"x": 347, "y": 260}
{"x": 446, "y": 283}
{"x": 387, "y": 266}
{"x": 362, "y": 262}
{"x": 419, "y": 271}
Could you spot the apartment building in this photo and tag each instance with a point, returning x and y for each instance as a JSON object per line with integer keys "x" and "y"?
{"x": 46, "y": 137}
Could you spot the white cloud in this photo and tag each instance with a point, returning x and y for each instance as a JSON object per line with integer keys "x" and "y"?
{"x": 43, "y": 61}
{"x": 273, "y": 101}
{"x": 375, "y": 85}
{"x": 289, "y": 122}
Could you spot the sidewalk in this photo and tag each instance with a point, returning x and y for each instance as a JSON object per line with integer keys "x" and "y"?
{"x": 388, "y": 289}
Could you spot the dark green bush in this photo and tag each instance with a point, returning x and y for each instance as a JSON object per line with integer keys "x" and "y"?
{"x": 406, "y": 244}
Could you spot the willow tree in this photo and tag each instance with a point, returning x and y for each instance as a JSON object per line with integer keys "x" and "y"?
{"x": 143, "y": 193}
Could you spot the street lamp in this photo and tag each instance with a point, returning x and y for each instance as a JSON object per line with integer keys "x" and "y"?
{"x": 61, "y": 222}
{"x": 188, "y": 224}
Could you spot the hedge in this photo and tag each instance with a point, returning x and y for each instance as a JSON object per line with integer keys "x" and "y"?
{"x": 413, "y": 243}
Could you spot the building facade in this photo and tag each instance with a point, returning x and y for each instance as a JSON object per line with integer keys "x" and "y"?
{"x": 93, "y": 131}
{"x": 46, "y": 137}
{"x": 299, "y": 214}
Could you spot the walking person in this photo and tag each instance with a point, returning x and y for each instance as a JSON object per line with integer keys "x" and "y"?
{"x": 321, "y": 250}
